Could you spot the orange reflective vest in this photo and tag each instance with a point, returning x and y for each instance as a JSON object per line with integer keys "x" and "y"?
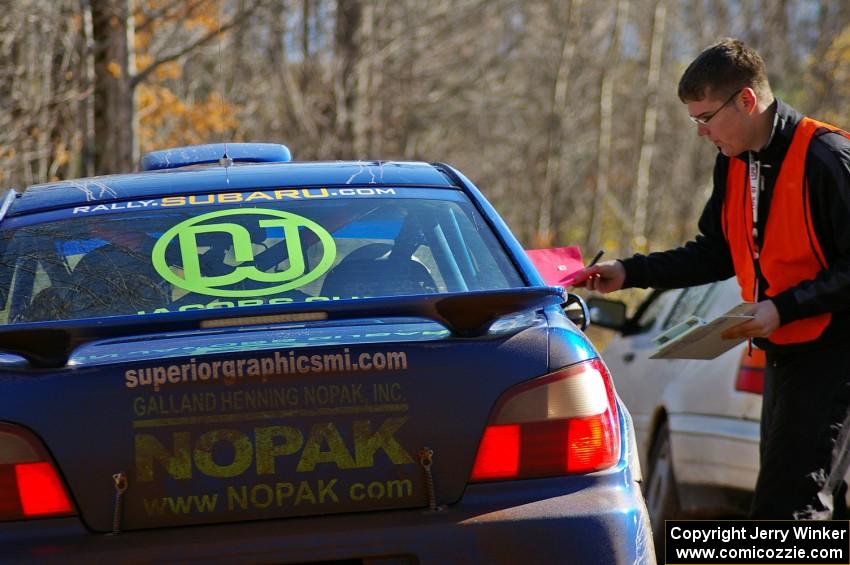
{"x": 790, "y": 252}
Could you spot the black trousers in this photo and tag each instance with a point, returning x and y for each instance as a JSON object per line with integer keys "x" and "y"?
{"x": 803, "y": 432}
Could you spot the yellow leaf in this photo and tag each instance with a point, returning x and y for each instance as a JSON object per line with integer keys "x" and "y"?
{"x": 61, "y": 155}
{"x": 169, "y": 70}
{"x": 114, "y": 69}
{"x": 143, "y": 61}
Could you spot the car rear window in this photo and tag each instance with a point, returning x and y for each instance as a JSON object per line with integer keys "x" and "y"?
{"x": 245, "y": 249}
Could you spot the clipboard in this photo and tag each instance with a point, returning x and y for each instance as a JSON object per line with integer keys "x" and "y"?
{"x": 697, "y": 339}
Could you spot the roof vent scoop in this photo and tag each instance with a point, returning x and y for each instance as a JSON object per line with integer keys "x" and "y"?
{"x": 212, "y": 153}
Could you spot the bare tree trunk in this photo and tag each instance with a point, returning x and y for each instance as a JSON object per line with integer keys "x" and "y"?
{"x": 114, "y": 120}
{"x": 780, "y": 38}
{"x": 238, "y": 73}
{"x": 545, "y": 225}
{"x": 45, "y": 116}
{"x": 86, "y": 104}
{"x": 606, "y": 105}
{"x": 650, "y": 120}
{"x": 305, "y": 44}
{"x": 753, "y": 11}
{"x": 412, "y": 50}
{"x": 832, "y": 18}
{"x": 376, "y": 77}
{"x": 347, "y": 51}
{"x": 294, "y": 119}
{"x": 361, "y": 124}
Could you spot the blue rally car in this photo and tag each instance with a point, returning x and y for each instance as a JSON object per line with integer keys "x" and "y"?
{"x": 231, "y": 356}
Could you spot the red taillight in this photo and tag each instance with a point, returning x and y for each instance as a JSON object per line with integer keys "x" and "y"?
{"x": 30, "y": 486}
{"x": 41, "y": 490}
{"x": 565, "y": 422}
{"x": 751, "y": 372}
{"x": 498, "y": 454}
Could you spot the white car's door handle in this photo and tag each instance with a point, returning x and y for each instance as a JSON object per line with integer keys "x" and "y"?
{"x": 629, "y": 357}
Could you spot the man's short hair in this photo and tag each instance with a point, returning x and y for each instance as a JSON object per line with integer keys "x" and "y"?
{"x": 721, "y": 70}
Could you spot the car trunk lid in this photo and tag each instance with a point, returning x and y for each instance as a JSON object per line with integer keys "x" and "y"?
{"x": 241, "y": 424}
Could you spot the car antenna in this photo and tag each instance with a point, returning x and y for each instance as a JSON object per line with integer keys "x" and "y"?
{"x": 225, "y": 160}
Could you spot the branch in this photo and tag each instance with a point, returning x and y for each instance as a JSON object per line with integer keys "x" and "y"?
{"x": 206, "y": 38}
{"x": 168, "y": 11}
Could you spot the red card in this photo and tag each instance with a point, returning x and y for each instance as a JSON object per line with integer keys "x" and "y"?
{"x": 559, "y": 265}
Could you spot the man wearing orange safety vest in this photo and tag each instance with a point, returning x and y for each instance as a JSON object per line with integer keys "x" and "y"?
{"x": 779, "y": 220}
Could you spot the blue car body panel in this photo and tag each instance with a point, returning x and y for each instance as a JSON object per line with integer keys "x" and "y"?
{"x": 233, "y": 463}
{"x": 169, "y": 414}
{"x": 212, "y": 178}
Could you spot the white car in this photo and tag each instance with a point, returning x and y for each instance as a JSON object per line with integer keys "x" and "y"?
{"x": 697, "y": 422}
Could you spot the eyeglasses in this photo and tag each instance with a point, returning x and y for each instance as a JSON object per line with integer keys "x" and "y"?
{"x": 702, "y": 121}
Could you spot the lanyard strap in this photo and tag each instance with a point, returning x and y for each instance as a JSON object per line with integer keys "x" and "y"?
{"x": 755, "y": 189}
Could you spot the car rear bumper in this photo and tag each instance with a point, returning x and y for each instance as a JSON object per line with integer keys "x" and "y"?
{"x": 531, "y": 521}
{"x": 711, "y": 450}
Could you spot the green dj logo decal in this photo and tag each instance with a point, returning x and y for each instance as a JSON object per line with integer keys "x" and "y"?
{"x": 195, "y": 280}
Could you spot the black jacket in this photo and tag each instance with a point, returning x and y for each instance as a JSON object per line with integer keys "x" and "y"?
{"x": 707, "y": 257}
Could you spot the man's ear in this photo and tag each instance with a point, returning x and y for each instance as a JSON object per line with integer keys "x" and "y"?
{"x": 750, "y": 99}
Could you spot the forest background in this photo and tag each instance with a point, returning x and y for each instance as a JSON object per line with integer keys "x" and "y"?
{"x": 564, "y": 112}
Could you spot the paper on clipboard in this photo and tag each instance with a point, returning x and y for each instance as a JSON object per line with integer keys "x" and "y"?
{"x": 697, "y": 339}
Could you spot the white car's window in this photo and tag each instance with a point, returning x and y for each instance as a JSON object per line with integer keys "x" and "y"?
{"x": 710, "y": 298}
{"x": 648, "y": 317}
{"x": 688, "y": 304}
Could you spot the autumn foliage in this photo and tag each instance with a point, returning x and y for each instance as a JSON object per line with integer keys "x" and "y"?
{"x": 167, "y": 118}
{"x": 563, "y": 111}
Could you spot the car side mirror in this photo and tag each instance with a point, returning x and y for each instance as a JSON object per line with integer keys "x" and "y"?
{"x": 576, "y": 310}
{"x": 607, "y": 313}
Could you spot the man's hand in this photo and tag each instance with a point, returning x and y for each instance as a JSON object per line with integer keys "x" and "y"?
{"x": 765, "y": 323}
{"x": 604, "y": 277}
